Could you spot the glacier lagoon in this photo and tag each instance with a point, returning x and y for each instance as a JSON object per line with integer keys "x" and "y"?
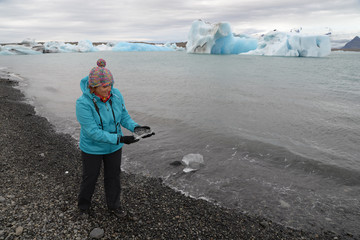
{"x": 279, "y": 136}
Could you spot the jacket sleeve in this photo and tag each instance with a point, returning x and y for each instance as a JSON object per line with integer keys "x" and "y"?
{"x": 89, "y": 126}
{"x": 126, "y": 120}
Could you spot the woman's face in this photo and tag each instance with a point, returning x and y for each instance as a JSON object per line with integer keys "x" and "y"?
{"x": 103, "y": 91}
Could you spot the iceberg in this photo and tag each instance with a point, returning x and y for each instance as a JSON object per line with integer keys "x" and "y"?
{"x": 192, "y": 162}
{"x": 29, "y": 46}
{"x": 29, "y": 42}
{"x": 217, "y": 38}
{"x": 61, "y": 47}
{"x": 292, "y": 44}
{"x": 173, "y": 46}
{"x": 17, "y": 50}
{"x": 85, "y": 46}
{"x": 139, "y": 47}
{"x": 105, "y": 47}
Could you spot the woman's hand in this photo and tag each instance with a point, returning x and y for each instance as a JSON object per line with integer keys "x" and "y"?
{"x": 128, "y": 139}
{"x": 143, "y": 131}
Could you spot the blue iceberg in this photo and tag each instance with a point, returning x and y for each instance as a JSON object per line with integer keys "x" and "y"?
{"x": 217, "y": 39}
{"x": 139, "y": 47}
{"x": 17, "y": 50}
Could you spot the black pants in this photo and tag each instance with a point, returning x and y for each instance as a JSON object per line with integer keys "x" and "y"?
{"x": 91, "y": 165}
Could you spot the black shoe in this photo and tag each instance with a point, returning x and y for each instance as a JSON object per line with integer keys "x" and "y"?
{"x": 118, "y": 213}
{"x": 85, "y": 213}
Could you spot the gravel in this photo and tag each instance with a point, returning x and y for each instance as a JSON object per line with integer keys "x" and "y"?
{"x": 40, "y": 173}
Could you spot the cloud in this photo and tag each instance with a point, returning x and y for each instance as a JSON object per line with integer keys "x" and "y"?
{"x": 159, "y": 20}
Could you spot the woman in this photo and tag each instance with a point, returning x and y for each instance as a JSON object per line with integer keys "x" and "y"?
{"x": 101, "y": 112}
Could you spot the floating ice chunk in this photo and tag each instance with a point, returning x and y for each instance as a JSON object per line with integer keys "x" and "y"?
{"x": 173, "y": 46}
{"x": 58, "y": 47}
{"x": 292, "y": 44}
{"x": 192, "y": 162}
{"x": 217, "y": 39}
{"x": 139, "y": 47}
{"x": 105, "y": 47}
{"x": 17, "y": 50}
{"x": 85, "y": 46}
{"x": 5, "y": 51}
{"x": 61, "y": 47}
{"x": 29, "y": 42}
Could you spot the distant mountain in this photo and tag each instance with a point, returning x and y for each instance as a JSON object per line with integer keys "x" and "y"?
{"x": 353, "y": 44}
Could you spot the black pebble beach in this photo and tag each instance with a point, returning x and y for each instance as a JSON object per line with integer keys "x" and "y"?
{"x": 40, "y": 173}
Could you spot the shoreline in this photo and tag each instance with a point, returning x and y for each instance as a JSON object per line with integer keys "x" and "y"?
{"x": 40, "y": 176}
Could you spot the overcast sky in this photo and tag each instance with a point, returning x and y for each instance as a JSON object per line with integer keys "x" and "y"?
{"x": 169, "y": 20}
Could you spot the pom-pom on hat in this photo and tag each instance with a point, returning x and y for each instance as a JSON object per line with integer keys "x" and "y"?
{"x": 100, "y": 76}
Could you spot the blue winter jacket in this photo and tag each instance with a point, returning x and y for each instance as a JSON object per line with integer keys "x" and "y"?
{"x": 95, "y": 138}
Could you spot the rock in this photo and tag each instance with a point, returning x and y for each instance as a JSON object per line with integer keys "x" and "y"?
{"x": 176, "y": 163}
{"x": 19, "y": 230}
{"x": 264, "y": 224}
{"x": 97, "y": 233}
{"x": 284, "y": 204}
{"x": 2, "y": 199}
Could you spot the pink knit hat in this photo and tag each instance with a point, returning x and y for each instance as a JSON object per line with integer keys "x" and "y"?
{"x": 100, "y": 76}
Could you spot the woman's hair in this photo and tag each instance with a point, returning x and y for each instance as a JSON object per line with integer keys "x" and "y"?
{"x": 92, "y": 89}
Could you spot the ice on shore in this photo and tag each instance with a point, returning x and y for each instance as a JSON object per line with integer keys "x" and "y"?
{"x": 218, "y": 38}
{"x": 192, "y": 162}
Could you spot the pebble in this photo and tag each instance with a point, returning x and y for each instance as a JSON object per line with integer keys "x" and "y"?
{"x": 2, "y": 199}
{"x": 97, "y": 233}
{"x": 19, "y": 230}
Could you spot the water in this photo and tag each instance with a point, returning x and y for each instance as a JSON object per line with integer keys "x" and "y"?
{"x": 279, "y": 136}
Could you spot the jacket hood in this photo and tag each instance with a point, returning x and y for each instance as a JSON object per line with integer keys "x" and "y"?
{"x": 84, "y": 86}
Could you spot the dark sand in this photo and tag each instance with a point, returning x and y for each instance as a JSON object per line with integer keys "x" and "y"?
{"x": 38, "y": 197}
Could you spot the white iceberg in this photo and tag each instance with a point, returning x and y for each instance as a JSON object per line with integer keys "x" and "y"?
{"x": 192, "y": 162}
{"x": 29, "y": 42}
{"x": 57, "y": 47}
{"x": 217, "y": 38}
{"x": 292, "y": 44}
{"x": 61, "y": 47}
{"x": 173, "y": 46}
{"x": 105, "y": 47}
{"x": 85, "y": 46}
